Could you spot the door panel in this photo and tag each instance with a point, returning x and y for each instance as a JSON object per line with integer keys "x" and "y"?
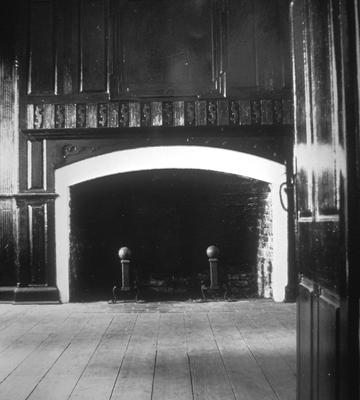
{"x": 323, "y": 98}
{"x": 328, "y": 345}
{"x": 305, "y": 328}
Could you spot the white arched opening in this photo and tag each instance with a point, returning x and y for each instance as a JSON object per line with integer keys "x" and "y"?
{"x": 170, "y": 157}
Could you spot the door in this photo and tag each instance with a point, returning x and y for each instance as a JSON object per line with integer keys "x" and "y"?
{"x": 326, "y": 179}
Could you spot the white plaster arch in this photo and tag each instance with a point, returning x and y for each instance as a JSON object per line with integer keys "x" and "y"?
{"x": 170, "y": 157}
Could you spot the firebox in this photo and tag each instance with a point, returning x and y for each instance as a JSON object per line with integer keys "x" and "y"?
{"x": 169, "y": 218}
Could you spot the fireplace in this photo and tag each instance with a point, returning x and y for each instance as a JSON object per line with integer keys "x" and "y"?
{"x": 168, "y": 218}
{"x": 168, "y": 204}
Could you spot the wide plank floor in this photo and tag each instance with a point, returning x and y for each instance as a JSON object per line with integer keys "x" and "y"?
{"x": 242, "y": 350}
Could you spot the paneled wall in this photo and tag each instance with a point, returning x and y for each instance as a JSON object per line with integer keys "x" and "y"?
{"x": 137, "y": 48}
{"x": 8, "y": 152}
{"x": 99, "y": 75}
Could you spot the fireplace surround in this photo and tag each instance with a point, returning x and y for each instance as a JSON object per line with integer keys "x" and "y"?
{"x": 197, "y": 158}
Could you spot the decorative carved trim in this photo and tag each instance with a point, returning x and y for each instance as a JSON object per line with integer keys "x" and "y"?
{"x": 113, "y": 115}
{"x": 102, "y": 115}
{"x": 267, "y": 112}
{"x": 59, "y": 116}
{"x": 167, "y": 113}
{"x": 256, "y": 112}
{"x": 38, "y": 116}
{"x": 234, "y": 112}
{"x": 245, "y": 117}
{"x": 124, "y": 114}
{"x": 80, "y": 115}
{"x": 222, "y": 112}
{"x": 156, "y": 113}
{"x": 145, "y": 114}
{"x": 189, "y": 113}
{"x": 70, "y": 150}
{"x": 211, "y": 113}
{"x": 278, "y": 119}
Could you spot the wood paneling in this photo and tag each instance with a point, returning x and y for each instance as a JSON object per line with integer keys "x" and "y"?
{"x": 9, "y": 147}
{"x": 304, "y": 340}
{"x": 318, "y": 333}
{"x": 93, "y": 50}
{"x": 271, "y": 32}
{"x": 320, "y": 39}
{"x": 257, "y": 46}
{"x": 242, "y": 71}
{"x": 8, "y": 233}
{"x": 36, "y": 165}
{"x": 174, "y": 43}
{"x": 36, "y": 261}
{"x": 42, "y": 50}
{"x": 37, "y": 214}
{"x": 328, "y": 346}
{"x": 164, "y": 48}
{"x": 9, "y": 141}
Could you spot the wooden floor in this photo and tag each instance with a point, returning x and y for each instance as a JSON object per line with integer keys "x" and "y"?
{"x": 240, "y": 350}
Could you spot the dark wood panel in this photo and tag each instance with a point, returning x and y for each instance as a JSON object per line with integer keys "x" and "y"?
{"x": 328, "y": 346}
{"x": 241, "y": 54}
{"x": 320, "y": 62}
{"x": 163, "y": 48}
{"x": 271, "y": 31}
{"x": 321, "y": 256}
{"x": 37, "y": 243}
{"x": 41, "y": 48}
{"x": 299, "y": 56}
{"x": 258, "y": 46}
{"x": 37, "y": 165}
{"x": 7, "y": 243}
{"x": 304, "y": 340}
{"x": 304, "y": 198}
{"x": 33, "y": 241}
{"x": 93, "y": 33}
{"x": 306, "y": 263}
{"x": 318, "y": 333}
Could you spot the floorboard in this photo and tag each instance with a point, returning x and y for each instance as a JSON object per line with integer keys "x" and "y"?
{"x": 241, "y": 350}
{"x": 68, "y": 368}
{"x": 98, "y": 379}
{"x": 21, "y": 383}
{"x": 247, "y": 379}
{"x": 135, "y": 380}
{"x": 21, "y": 324}
{"x": 172, "y": 379}
{"x": 209, "y": 377}
{"x": 21, "y": 348}
{"x": 277, "y": 372}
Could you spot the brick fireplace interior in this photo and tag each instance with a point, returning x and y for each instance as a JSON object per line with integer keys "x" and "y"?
{"x": 168, "y": 218}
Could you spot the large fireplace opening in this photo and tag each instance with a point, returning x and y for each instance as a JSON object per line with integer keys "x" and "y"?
{"x": 168, "y": 218}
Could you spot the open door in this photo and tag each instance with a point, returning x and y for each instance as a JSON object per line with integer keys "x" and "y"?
{"x": 326, "y": 153}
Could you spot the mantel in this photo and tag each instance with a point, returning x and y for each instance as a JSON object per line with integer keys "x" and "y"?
{"x": 253, "y": 112}
{"x": 155, "y": 132}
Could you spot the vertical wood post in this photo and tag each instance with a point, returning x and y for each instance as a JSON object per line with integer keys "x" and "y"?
{"x": 212, "y": 253}
{"x": 125, "y": 275}
{"x": 125, "y": 255}
{"x": 213, "y": 273}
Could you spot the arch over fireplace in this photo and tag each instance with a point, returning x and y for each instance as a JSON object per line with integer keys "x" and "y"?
{"x": 170, "y": 157}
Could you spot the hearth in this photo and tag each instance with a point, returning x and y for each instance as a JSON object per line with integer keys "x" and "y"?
{"x": 168, "y": 218}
